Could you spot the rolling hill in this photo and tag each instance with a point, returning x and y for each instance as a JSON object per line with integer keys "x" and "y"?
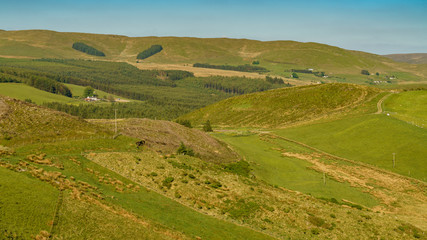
{"x": 98, "y": 186}
{"x": 283, "y": 107}
{"x": 417, "y": 58}
{"x": 276, "y": 56}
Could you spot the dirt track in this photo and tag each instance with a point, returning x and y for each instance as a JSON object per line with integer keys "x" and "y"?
{"x": 380, "y": 103}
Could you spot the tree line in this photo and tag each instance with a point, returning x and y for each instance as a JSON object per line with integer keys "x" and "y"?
{"x": 34, "y": 80}
{"x": 240, "y": 68}
{"x": 79, "y": 46}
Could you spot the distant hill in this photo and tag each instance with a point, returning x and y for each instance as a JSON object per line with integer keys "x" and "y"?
{"x": 276, "y": 56}
{"x": 418, "y": 58}
{"x": 282, "y": 107}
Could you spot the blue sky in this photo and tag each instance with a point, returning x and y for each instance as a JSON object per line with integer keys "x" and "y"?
{"x": 382, "y": 27}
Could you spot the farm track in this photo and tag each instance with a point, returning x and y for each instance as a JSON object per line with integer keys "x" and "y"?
{"x": 380, "y": 103}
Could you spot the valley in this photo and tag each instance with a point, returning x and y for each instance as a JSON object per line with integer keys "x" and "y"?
{"x": 306, "y": 157}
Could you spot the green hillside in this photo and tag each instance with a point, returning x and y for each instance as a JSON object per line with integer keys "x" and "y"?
{"x": 283, "y": 107}
{"x": 371, "y": 139}
{"x": 95, "y": 182}
{"x": 276, "y": 56}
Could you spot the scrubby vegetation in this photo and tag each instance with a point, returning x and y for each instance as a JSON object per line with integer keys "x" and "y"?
{"x": 149, "y": 52}
{"x": 82, "y": 47}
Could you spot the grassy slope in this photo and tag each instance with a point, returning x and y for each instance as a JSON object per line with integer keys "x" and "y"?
{"x": 281, "y": 107}
{"x": 26, "y": 121}
{"x": 166, "y": 137}
{"x": 21, "y": 91}
{"x": 408, "y": 106}
{"x": 276, "y": 55}
{"x": 371, "y": 139}
{"x": 153, "y": 208}
{"x": 409, "y": 57}
{"x": 168, "y": 217}
{"x": 271, "y": 166}
{"x": 26, "y": 204}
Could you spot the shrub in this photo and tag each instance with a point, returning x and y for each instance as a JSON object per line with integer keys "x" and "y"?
{"x": 365, "y": 72}
{"x": 315, "y": 231}
{"x": 153, "y": 174}
{"x": 241, "y": 168}
{"x": 184, "y": 150}
{"x": 191, "y": 176}
{"x": 167, "y": 182}
{"x": 185, "y": 123}
{"x": 294, "y": 75}
{"x": 207, "y": 126}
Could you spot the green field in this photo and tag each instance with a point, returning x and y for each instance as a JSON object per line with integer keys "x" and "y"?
{"x": 408, "y": 106}
{"x": 370, "y": 139}
{"x": 269, "y": 165}
{"x": 21, "y": 91}
{"x": 79, "y": 90}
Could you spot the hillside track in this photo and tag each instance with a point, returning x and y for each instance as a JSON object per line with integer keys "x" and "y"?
{"x": 380, "y": 103}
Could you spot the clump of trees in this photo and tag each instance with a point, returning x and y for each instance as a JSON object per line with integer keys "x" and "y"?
{"x": 79, "y": 46}
{"x": 276, "y": 80}
{"x": 256, "y": 62}
{"x": 240, "y": 68}
{"x": 149, "y": 52}
{"x": 365, "y": 72}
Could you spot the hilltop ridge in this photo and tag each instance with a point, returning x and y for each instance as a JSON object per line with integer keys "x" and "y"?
{"x": 181, "y": 52}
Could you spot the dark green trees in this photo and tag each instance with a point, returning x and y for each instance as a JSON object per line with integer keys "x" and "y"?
{"x": 207, "y": 126}
{"x": 184, "y": 150}
{"x": 88, "y": 92}
{"x": 365, "y": 72}
{"x": 87, "y": 49}
{"x": 294, "y": 75}
{"x": 149, "y": 52}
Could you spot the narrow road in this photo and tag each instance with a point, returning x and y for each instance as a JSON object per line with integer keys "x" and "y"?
{"x": 380, "y": 103}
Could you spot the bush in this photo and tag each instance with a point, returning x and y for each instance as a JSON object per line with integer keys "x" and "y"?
{"x": 207, "y": 126}
{"x": 241, "y": 168}
{"x": 294, "y": 75}
{"x": 365, "y": 72}
{"x": 185, "y": 123}
{"x": 167, "y": 182}
{"x": 184, "y": 150}
{"x": 256, "y": 62}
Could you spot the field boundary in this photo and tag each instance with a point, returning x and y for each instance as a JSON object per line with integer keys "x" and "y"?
{"x": 348, "y": 160}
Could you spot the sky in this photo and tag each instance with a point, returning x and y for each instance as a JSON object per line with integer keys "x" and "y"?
{"x": 381, "y": 27}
